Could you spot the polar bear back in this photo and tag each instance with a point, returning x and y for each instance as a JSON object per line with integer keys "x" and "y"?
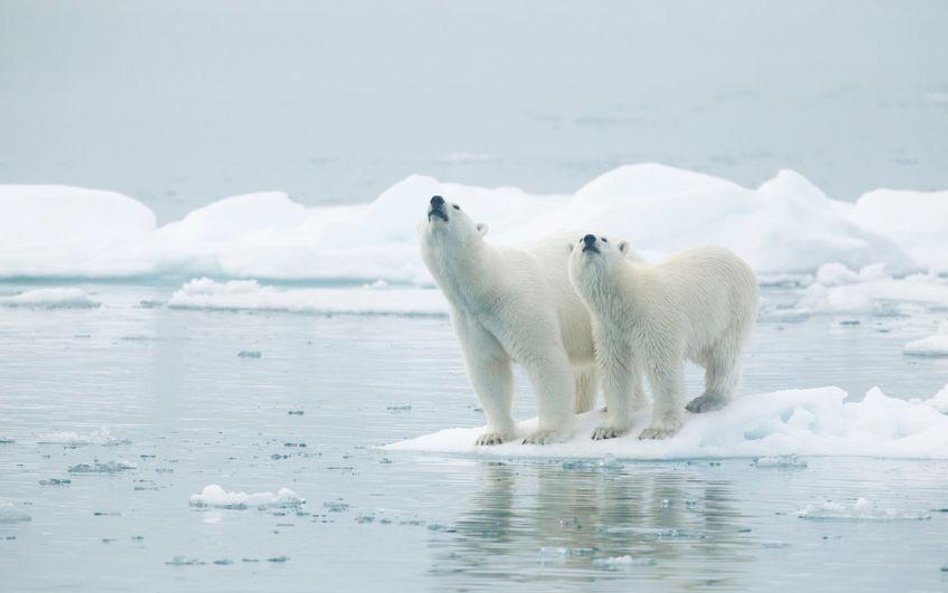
{"x": 708, "y": 292}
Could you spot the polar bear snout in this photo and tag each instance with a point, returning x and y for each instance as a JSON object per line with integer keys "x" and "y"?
{"x": 589, "y": 244}
{"x": 437, "y": 208}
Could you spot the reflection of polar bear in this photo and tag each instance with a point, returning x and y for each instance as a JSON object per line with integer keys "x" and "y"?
{"x": 699, "y": 305}
{"x": 513, "y": 305}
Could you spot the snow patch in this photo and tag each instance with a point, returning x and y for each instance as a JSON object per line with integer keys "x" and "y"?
{"x": 215, "y": 496}
{"x": 804, "y": 422}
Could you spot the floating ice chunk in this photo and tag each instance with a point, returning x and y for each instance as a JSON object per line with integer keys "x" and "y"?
{"x": 561, "y": 553}
{"x": 11, "y": 514}
{"x": 109, "y": 467}
{"x": 936, "y": 345}
{"x": 51, "y": 230}
{"x": 215, "y": 496}
{"x": 102, "y": 436}
{"x": 860, "y": 510}
{"x": 844, "y": 290}
{"x": 248, "y": 295}
{"x": 780, "y": 462}
{"x": 184, "y": 561}
{"x": 51, "y": 298}
{"x": 806, "y": 422}
{"x": 250, "y": 354}
{"x": 916, "y": 221}
{"x": 620, "y": 562}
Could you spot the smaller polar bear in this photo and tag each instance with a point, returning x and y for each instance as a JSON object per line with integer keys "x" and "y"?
{"x": 698, "y": 305}
{"x": 513, "y": 305}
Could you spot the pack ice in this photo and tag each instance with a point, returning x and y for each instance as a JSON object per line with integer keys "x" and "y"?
{"x": 785, "y": 225}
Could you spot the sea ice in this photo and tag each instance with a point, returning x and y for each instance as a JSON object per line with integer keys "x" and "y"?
{"x": 861, "y": 509}
{"x": 50, "y": 298}
{"x": 936, "y": 345}
{"x": 109, "y": 467}
{"x": 215, "y": 496}
{"x": 102, "y": 436}
{"x": 238, "y": 295}
{"x": 785, "y": 225}
{"x": 805, "y": 422}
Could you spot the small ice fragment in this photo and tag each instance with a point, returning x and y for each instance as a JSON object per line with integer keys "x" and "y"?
{"x": 619, "y": 562}
{"x": 249, "y": 354}
{"x": 861, "y": 510}
{"x": 365, "y": 519}
{"x": 111, "y": 467}
{"x": 295, "y": 412}
{"x": 278, "y": 559}
{"x": 224, "y": 562}
{"x": 4, "y": 441}
{"x": 780, "y": 462}
{"x": 215, "y": 496}
{"x": 11, "y": 514}
{"x": 55, "y": 482}
{"x": 336, "y": 507}
{"x": 399, "y": 408}
{"x": 183, "y": 561}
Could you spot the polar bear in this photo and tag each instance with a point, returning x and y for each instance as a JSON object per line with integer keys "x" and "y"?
{"x": 513, "y": 305}
{"x": 699, "y": 305}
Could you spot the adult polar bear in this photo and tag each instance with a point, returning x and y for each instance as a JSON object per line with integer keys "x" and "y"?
{"x": 699, "y": 305}
{"x": 513, "y": 305}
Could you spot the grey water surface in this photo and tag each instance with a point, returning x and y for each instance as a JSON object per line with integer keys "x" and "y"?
{"x": 184, "y": 410}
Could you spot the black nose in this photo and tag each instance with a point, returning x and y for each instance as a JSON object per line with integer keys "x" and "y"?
{"x": 437, "y": 201}
{"x": 589, "y": 240}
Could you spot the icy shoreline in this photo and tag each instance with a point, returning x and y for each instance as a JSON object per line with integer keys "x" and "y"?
{"x": 787, "y": 225}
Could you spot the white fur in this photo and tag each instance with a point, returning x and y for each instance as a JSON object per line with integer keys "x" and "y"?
{"x": 698, "y": 305}
{"x": 512, "y": 305}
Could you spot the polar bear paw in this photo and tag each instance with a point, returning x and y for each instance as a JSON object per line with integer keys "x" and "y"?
{"x": 492, "y": 438}
{"x": 607, "y": 432}
{"x": 706, "y": 402}
{"x": 658, "y": 432}
{"x": 544, "y": 436}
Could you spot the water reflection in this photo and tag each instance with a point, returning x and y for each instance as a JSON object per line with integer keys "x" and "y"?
{"x": 664, "y": 524}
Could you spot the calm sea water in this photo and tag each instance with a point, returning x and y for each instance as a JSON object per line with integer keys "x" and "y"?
{"x": 186, "y": 411}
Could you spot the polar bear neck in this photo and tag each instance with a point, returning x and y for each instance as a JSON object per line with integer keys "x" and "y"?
{"x": 613, "y": 286}
{"x": 464, "y": 272}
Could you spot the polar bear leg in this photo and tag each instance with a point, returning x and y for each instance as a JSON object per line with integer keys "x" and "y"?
{"x": 488, "y": 367}
{"x": 721, "y": 372}
{"x": 667, "y": 377}
{"x": 555, "y": 386}
{"x": 619, "y": 380}
{"x": 587, "y": 386}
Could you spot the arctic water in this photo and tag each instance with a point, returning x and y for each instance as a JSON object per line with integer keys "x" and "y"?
{"x": 114, "y": 419}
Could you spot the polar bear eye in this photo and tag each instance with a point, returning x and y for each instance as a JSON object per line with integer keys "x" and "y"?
{"x": 604, "y": 240}
{"x": 456, "y": 207}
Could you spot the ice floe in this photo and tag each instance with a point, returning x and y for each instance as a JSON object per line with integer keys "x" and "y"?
{"x": 801, "y": 422}
{"x": 214, "y": 495}
{"x": 785, "y": 225}
{"x": 50, "y": 298}
{"x": 936, "y": 345}
{"x": 103, "y": 436}
{"x": 861, "y": 509}
{"x": 839, "y": 289}
{"x": 240, "y": 295}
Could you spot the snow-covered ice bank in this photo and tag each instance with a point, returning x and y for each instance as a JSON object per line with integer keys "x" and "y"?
{"x": 785, "y": 225}
{"x": 240, "y": 295}
{"x": 215, "y": 496}
{"x": 806, "y": 422}
{"x": 50, "y": 298}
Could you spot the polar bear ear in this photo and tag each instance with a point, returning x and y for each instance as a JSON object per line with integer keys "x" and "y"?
{"x": 482, "y": 228}
{"x": 623, "y": 246}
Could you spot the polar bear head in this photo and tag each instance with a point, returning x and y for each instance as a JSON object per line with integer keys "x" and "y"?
{"x": 591, "y": 257}
{"x": 447, "y": 228}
